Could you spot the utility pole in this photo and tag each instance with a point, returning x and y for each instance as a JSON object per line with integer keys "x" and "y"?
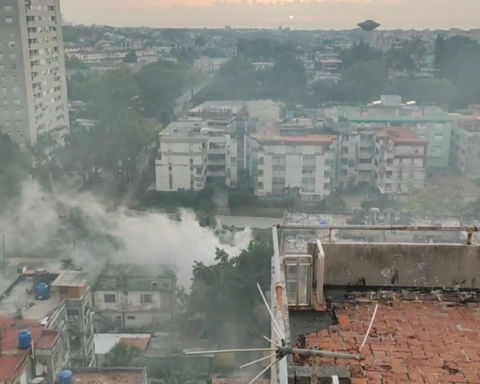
{"x": 4, "y": 256}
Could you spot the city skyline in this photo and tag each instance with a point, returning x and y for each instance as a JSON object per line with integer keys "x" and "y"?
{"x": 327, "y": 14}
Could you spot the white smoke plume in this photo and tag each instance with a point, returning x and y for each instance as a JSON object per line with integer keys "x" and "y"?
{"x": 32, "y": 227}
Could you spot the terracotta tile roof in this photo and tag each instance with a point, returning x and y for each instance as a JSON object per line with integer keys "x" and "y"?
{"x": 8, "y": 366}
{"x": 237, "y": 380}
{"x": 139, "y": 342}
{"x": 401, "y": 135}
{"x": 427, "y": 340}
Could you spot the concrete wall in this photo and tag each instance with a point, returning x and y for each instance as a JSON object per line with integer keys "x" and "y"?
{"x": 421, "y": 265}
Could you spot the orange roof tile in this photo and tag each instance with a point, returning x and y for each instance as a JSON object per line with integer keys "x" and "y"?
{"x": 139, "y": 342}
{"x": 420, "y": 341}
{"x": 8, "y": 366}
{"x": 237, "y": 380}
{"x": 401, "y": 135}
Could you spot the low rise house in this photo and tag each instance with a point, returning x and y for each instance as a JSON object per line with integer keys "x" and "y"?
{"x": 135, "y": 297}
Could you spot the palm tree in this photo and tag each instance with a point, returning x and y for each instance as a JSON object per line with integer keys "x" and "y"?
{"x": 417, "y": 50}
{"x": 123, "y": 355}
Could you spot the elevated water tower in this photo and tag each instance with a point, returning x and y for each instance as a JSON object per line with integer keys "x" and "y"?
{"x": 368, "y": 26}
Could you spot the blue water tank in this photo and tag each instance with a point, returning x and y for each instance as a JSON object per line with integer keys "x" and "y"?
{"x": 24, "y": 339}
{"x": 65, "y": 377}
{"x": 43, "y": 291}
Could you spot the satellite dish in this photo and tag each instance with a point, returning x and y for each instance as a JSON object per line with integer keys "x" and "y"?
{"x": 283, "y": 348}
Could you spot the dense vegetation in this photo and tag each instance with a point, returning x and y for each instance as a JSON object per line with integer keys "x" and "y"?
{"x": 365, "y": 74}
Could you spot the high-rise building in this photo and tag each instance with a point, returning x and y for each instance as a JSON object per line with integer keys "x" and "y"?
{"x": 33, "y": 89}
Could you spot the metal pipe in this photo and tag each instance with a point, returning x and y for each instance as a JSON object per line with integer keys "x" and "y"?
{"x": 277, "y": 305}
{"x": 320, "y": 353}
{"x": 219, "y": 351}
{"x": 392, "y": 228}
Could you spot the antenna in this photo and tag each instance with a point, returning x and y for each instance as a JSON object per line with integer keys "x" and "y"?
{"x": 282, "y": 350}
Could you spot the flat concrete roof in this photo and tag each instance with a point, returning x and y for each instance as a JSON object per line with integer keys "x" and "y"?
{"x": 109, "y": 375}
{"x": 21, "y": 298}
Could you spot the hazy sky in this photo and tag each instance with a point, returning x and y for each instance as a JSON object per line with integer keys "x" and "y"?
{"x": 314, "y": 14}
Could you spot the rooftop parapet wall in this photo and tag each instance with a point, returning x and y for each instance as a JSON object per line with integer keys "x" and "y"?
{"x": 404, "y": 265}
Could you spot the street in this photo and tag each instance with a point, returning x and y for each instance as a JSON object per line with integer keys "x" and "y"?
{"x": 250, "y": 222}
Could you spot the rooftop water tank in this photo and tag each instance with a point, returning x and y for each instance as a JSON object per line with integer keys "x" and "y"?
{"x": 405, "y": 217}
{"x": 42, "y": 291}
{"x": 40, "y": 276}
{"x": 24, "y": 339}
{"x": 358, "y": 216}
{"x": 65, "y": 377}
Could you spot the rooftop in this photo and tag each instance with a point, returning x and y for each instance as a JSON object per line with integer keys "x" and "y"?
{"x": 420, "y": 338}
{"x": 401, "y": 135}
{"x": 109, "y": 375}
{"x": 104, "y": 342}
{"x": 170, "y": 345}
{"x": 184, "y": 130}
{"x": 225, "y": 106}
{"x": 70, "y": 279}
{"x": 19, "y": 299}
{"x": 271, "y": 135}
{"x": 137, "y": 277}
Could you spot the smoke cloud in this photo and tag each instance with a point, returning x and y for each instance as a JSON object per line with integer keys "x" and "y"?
{"x": 79, "y": 228}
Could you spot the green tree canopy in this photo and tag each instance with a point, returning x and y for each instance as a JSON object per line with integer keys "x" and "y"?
{"x": 227, "y": 291}
{"x": 123, "y": 355}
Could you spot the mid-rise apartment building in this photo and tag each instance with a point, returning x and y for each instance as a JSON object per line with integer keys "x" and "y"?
{"x": 465, "y": 148}
{"x": 33, "y": 88}
{"x": 192, "y": 154}
{"x": 430, "y": 123}
{"x": 280, "y": 162}
{"x": 400, "y": 161}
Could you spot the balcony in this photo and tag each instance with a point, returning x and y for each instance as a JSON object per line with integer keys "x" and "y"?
{"x": 216, "y": 173}
{"x": 218, "y": 162}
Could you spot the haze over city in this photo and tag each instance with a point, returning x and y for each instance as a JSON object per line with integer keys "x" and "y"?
{"x": 326, "y": 14}
{"x": 233, "y": 192}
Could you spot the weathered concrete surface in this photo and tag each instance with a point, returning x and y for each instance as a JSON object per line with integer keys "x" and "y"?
{"x": 407, "y": 265}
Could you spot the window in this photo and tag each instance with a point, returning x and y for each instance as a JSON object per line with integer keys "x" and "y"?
{"x": 9, "y": 20}
{"x": 11, "y": 44}
{"x": 109, "y": 298}
{"x": 438, "y": 137}
{"x": 8, "y": 7}
{"x": 125, "y": 293}
{"x": 130, "y": 317}
{"x": 13, "y": 66}
{"x": 146, "y": 298}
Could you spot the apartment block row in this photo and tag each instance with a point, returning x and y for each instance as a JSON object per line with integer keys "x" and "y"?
{"x": 33, "y": 88}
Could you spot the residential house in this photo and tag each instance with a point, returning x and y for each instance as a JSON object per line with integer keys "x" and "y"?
{"x": 135, "y": 297}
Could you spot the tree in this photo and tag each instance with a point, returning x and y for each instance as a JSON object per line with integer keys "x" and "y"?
{"x": 366, "y": 81}
{"x": 123, "y": 355}
{"x": 200, "y": 41}
{"x": 417, "y": 50}
{"x": 292, "y": 194}
{"x": 131, "y": 57}
{"x": 358, "y": 53}
{"x": 226, "y": 291}
{"x": 75, "y": 63}
{"x": 160, "y": 84}
{"x": 436, "y": 201}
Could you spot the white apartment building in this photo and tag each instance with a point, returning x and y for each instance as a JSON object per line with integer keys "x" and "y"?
{"x": 400, "y": 160}
{"x": 191, "y": 154}
{"x": 305, "y": 162}
{"x": 465, "y": 146}
{"x": 33, "y": 88}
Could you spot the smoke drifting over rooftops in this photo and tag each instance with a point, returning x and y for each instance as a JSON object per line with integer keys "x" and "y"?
{"x": 37, "y": 226}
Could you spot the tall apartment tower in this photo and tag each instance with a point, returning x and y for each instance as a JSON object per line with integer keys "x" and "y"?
{"x": 33, "y": 88}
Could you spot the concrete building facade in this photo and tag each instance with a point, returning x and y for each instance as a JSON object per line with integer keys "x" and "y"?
{"x": 400, "y": 161}
{"x": 304, "y": 162}
{"x": 465, "y": 148}
{"x": 33, "y": 88}
{"x": 136, "y": 297}
{"x": 191, "y": 154}
{"x": 430, "y": 123}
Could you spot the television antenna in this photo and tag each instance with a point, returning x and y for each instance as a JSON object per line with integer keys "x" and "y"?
{"x": 284, "y": 348}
